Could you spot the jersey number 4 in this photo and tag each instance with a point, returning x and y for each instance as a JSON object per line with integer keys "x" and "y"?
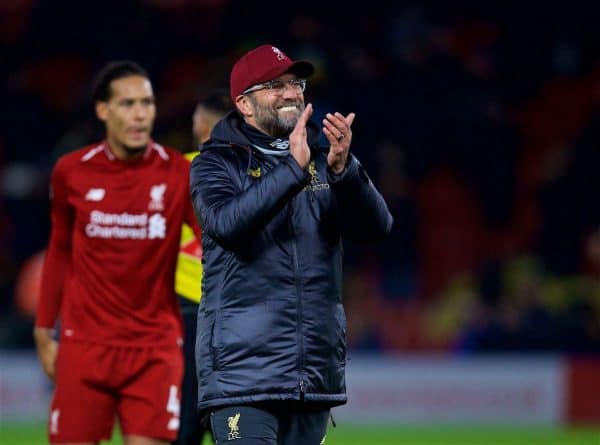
{"x": 173, "y": 407}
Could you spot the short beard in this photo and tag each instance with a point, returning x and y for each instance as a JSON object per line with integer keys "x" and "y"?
{"x": 270, "y": 121}
{"x": 134, "y": 151}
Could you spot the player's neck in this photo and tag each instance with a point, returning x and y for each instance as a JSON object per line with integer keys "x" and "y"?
{"x": 122, "y": 152}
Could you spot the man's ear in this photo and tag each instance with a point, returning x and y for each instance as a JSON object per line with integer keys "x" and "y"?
{"x": 101, "y": 110}
{"x": 244, "y": 106}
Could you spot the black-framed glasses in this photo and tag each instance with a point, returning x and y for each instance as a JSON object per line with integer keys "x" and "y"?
{"x": 278, "y": 85}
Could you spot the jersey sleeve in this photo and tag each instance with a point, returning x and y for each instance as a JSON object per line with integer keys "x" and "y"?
{"x": 59, "y": 250}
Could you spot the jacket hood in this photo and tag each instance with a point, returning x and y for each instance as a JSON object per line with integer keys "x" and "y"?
{"x": 228, "y": 131}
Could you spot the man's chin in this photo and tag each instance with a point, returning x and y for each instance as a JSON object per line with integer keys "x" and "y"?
{"x": 288, "y": 119}
{"x": 136, "y": 147}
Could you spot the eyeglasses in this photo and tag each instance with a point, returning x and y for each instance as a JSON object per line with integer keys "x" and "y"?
{"x": 278, "y": 85}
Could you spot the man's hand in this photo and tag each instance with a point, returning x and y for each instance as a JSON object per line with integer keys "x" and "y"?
{"x": 298, "y": 143}
{"x": 47, "y": 349}
{"x": 337, "y": 130}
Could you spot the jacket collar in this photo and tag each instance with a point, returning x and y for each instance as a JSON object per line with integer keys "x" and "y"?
{"x": 229, "y": 131}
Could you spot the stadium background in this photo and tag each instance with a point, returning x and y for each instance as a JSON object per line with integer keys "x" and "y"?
{"x": 479, "y": 124}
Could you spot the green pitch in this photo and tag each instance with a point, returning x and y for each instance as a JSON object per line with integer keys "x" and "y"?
{"x": 386, "y": 435}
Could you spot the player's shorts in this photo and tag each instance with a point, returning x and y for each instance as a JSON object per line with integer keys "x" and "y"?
{"x": 270, "y": 423}
{"x": 95, "y": 383}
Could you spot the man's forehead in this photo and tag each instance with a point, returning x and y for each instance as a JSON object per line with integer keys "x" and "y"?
{"x": 131, "y": 85}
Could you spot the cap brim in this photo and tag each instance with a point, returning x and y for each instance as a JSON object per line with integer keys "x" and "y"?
{"x": 301, "y": 68}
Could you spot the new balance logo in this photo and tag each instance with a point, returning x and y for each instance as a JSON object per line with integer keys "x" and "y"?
{"x": 95, "y": 195}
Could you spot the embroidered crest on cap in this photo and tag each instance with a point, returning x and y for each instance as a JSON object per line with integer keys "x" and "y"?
{"x": 280, "y": 55}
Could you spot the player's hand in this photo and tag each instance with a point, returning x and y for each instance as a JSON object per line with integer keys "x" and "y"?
{"x": 47, "y": 350}
{"x": 298, "y": 140}
{"x": 337, "y": 129}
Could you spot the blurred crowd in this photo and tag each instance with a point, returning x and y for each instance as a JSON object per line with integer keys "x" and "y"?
{"x": 479, "y": 124}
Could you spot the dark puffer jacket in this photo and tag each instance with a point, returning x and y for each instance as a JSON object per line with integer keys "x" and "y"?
{"x": 271, "y": 324}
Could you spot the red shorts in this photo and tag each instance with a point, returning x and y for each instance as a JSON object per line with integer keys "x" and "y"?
{"x": 95, "y": 383}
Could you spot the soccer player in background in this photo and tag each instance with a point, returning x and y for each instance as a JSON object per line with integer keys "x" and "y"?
{"x": 274, "y": 205}
{"x": 188, "y": 277}
{"x": 117, "y": 210}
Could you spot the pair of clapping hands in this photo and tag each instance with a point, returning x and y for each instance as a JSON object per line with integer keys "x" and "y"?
{"x": 337, "y": 129}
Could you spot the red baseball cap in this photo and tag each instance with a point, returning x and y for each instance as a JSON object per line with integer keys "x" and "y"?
{"x": 267, "y": 62}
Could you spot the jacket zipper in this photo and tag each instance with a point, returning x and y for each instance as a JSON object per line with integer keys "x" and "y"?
{"x": 298, "y": 303}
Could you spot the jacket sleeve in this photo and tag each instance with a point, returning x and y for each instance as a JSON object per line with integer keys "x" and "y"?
{"x": 189, "y": 216}
{"x": 362, "y": 211}
{"x": 58, "y": 257}
{"x": 231, "y": 215}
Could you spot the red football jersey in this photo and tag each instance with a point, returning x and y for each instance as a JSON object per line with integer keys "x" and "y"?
{"x": 116, "y": 226}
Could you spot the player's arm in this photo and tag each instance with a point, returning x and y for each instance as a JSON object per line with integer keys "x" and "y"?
{"x": 56, "y": 263}
{"x": 189, "y": 215}
{"x": 47, "y": 349}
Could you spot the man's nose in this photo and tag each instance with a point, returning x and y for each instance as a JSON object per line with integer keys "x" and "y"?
{"x": 140, "y": 111}
{"x": 290, "y": 91}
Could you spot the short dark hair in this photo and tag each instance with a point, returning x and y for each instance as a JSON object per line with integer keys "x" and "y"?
{"x": 217, "y": 101}
{"x": 112, "y": 71}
